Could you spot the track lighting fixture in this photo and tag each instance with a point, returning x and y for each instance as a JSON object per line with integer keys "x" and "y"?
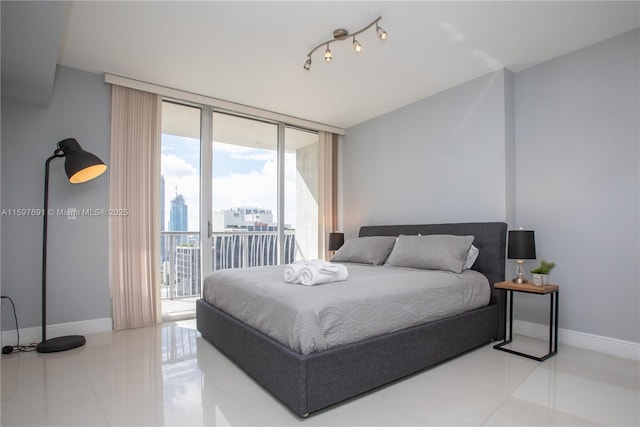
{"x": 341, "y": 34}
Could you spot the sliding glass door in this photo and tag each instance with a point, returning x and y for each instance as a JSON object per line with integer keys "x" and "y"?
{"x": 244, "y": 192}
{"x": 261, "y": 192}
{"x": 180, "y": 201}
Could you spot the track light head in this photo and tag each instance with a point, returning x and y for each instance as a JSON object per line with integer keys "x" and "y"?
{"x": 357, "y": 47}
{"x": 382, "y": 34}
{"x": 307, "y": 65}
{"x": 327, "y": 54}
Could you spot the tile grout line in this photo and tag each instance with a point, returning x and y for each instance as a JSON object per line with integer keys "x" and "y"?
{"x": 93, "y": 389}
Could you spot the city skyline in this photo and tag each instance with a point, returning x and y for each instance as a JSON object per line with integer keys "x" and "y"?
{"x": 242, "y": 176}
{"x": 179, "y": 214}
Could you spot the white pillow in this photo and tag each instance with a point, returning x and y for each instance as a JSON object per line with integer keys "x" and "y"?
{"x": 472, "y": 255}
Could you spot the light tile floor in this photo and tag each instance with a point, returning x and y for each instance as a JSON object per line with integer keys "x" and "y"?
{"x": 169, "y": 375}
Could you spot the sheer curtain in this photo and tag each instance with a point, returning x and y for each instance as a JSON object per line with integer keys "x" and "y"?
{"x": 327, "y": 190}
{"x": 134, "y": 191}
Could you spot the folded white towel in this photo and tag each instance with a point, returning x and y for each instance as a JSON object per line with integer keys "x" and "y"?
{"x": 314, "y": 272}
{"x": 317, "y": 272}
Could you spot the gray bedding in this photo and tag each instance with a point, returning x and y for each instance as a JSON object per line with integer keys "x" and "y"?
{"x": 374, "y": 300}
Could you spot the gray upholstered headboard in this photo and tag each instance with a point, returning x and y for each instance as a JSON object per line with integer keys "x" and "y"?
{"x": 489, "y": 237}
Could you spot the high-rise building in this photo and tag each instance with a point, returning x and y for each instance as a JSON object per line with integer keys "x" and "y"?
{"x": 247, "y": 217}
{"x": 179, "y": 214}
{"x": 187, "y": 271}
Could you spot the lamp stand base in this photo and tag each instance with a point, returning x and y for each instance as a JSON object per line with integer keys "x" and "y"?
{"x": 54, "y": 345}
{"x": 520, "y": 272}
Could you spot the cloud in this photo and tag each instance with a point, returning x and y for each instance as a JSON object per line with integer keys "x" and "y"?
{"x": 256, "y": 188}
{"x": 173, "y": 165}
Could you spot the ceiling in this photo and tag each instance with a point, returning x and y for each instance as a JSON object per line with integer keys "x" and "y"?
{"x": 252, "y": 53}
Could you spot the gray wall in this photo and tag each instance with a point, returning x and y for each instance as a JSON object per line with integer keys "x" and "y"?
{"x": 78, "y": 286}
{"x": 441, "y": 159}
{"x": 577, "y": 134}
{"x": 554, "y": 148}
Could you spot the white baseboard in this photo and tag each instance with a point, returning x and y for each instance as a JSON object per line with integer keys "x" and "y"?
{"x": 613, "y": 346}
{"x": 34, "y": 335}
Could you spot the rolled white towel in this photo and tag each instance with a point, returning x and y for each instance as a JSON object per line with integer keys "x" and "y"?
{"x": 314, "y": 273}
{"x": 292, "y": 272}
{"x": 309, "y": 276}
{"x": 323, "y": 266}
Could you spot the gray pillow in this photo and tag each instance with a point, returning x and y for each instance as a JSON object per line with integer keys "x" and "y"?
{"x": 365, "y": 250}
{"x": 431, "y": 252}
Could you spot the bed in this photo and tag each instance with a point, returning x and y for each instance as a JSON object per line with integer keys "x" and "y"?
{"x": 309, "y": 380}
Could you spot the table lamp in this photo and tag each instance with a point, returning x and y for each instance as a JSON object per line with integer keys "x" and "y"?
{"x": 336, "y": 240}
{"x": 522, "y": 245}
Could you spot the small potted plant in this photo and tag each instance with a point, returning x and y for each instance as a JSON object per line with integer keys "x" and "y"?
{"x": 541, "y": 274}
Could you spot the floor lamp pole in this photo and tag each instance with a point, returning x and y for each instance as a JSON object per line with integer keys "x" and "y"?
{"x": 45, "y": 220}
{"x": 59, "y": 343}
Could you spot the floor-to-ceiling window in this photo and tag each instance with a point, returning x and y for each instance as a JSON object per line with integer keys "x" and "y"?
{"x": 250, "y": 185}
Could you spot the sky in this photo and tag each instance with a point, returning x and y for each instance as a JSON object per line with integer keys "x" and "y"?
{"x": 242, "y": 176}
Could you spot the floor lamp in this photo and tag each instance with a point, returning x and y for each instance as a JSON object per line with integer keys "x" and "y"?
{"x": 80, "y": 166}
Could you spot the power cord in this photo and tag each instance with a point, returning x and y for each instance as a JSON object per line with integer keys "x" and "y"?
{"x": 8, "y": 349}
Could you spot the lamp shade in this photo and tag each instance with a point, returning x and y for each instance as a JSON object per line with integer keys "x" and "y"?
{"x": 336, "y": 240}
{"x": 80, "y": 166}
{"x": 522, "y": 244}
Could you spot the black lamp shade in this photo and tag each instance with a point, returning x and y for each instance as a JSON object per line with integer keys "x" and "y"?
{"x": 522, "y": 244}
{"x": 80, "y": 166}
{"x": 336, "y": 240}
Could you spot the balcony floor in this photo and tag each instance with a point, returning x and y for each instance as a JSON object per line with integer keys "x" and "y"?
{"x": 179, "y": 308}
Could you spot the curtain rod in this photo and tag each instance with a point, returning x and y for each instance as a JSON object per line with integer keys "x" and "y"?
{"x": 218, "y": 103}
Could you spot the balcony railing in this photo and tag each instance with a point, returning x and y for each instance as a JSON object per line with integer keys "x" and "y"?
{"x": 180, "y": 256}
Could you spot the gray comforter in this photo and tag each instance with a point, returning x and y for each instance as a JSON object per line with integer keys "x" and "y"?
{"x": 374, "y": 300}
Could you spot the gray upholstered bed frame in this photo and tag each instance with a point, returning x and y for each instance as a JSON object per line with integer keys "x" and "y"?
{"x": 308, "y": 383}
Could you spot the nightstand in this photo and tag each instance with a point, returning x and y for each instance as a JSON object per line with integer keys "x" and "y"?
{"x": 530, "y": 288}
